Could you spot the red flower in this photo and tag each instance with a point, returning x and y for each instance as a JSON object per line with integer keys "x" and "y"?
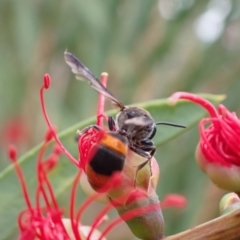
{"x": 44, "y": 219}
{"x": 40, "y": 221}
{"x": 218, "y": 151}
{"x": 137, "y": 205}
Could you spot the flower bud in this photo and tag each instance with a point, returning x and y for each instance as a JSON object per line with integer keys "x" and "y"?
{"x": 143, "y": 215}
{"x": 218, "y": 150}
{"x": 225, "y": 177}
{"x": 229, "y": 203}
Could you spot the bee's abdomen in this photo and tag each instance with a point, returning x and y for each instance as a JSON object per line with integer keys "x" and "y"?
{"x": 108, "y": 156}
{"x": 106, "y": 161}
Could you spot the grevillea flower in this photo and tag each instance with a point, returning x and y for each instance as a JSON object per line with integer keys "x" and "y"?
{"x": 44, "y": 219}
{"x": 218, "y": 151}
{"x": 133, "y": 196}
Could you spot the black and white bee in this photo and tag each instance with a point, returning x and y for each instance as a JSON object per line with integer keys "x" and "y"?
{"x": 135, "y": 123}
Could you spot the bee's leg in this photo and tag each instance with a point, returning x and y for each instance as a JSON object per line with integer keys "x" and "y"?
{"x": 151, "y": 150}
{"x": 144, "y": 148}
{"x": 80, "y": 133}
{"x": 97, "y": 127}
{"x": 147, "y": 142}
{"x": 149, "y": 147}
{"x": 148, "y": 152}
{"x": 111, "y": 123}
{"x": 139, "y": 167}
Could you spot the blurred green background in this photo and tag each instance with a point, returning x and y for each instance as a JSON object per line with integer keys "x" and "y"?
{"x": 150, "y": 50}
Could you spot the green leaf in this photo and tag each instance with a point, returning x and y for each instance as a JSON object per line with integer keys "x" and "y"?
{"x": 62, "y": 176}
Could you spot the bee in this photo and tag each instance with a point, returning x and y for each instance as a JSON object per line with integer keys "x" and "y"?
{"x": 133, "y": 126}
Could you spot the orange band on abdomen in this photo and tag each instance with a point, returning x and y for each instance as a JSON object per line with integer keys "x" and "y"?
{"x": 114, "y": 143}
{"x": 97, "y": 181}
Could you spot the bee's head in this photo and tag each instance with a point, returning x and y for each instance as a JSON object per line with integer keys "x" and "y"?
{"x": 135, "y": 122}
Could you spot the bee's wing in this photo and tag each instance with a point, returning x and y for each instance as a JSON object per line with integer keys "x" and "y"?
{"x": 83, "y": 73}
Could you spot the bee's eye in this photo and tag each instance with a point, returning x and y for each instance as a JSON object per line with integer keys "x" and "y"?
{"x": 130, "y": 115}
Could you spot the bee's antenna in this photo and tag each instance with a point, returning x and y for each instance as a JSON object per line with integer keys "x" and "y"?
{"x": 171, "y": 124}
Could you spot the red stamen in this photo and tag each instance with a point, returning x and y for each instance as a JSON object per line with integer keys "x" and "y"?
{"x": 47, "y": 81}
{"x": 50, "y": 163}
{"x": 207, "y": 148}
{"x": 74, "y": 223}
{"x": 173, "y": 200}
{"x": 196, "y": 99}
{"x": 51, "y": 127}
{"x": 42, "y": 178}
{"x": 52, "y": 210}
{"x": 20, "y": 220}
{"x": 49, "y": 135}
{"x": 85, "y": 143}
{"x": 215, "y": 148}
{"x": 101, "y": 102}
{"x": 12, "y": 152}
{"x": 57, "y": 150}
